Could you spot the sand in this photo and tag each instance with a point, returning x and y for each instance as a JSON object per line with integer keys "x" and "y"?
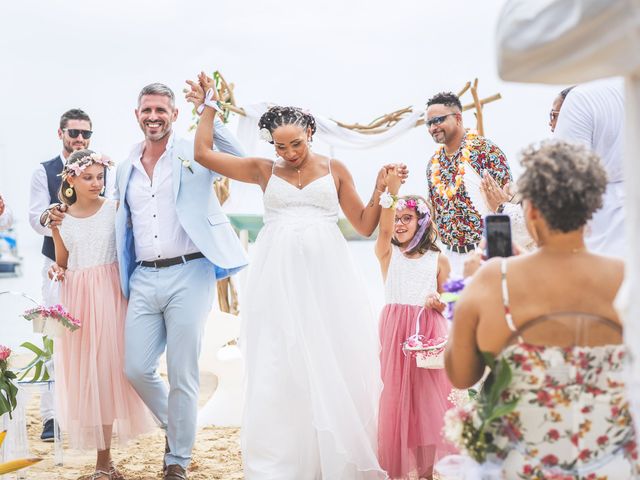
{"x": 216, "y": 454}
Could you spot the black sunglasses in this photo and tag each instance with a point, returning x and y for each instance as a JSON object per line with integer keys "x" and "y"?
{"x": 438, "y": 120}
{"x": 74, "y": 132}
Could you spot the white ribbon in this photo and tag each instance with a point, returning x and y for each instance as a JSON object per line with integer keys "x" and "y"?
{"x": 461, "y": 467}
{"x": 209, "y": 102}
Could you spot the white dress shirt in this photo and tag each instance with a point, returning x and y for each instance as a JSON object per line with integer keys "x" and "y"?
{"x": 39, "y": 199}
{"x": 157, "y": 232}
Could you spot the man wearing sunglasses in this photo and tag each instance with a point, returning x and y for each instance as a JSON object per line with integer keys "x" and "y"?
{"x": 75, "y": 133}
{"x": 458, "y": 220}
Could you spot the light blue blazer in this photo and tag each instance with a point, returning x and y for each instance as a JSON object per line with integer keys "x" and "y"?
{"x": 197, "y": 207}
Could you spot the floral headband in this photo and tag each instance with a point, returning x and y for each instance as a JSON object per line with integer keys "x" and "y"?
{"x": 388, "y": 200}
{"x": 76, "y": 168}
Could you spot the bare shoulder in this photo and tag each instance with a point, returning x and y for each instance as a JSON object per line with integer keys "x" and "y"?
{"x": 337, "y": 166}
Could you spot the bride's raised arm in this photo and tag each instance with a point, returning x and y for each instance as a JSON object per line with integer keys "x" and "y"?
{"x": 244, "y": 169}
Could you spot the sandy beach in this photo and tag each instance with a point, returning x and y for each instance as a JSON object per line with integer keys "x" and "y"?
{"x": 216, "y": 454}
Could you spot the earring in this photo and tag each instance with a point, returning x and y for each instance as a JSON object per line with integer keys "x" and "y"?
{"x": 68, "y": 192}
{"x": 102, "y": 190}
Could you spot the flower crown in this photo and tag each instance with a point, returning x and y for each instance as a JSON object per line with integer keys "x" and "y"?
{"x": 414, "y": 204}
{"x": 388, "y": 200}
{"x": 76, "y": 168}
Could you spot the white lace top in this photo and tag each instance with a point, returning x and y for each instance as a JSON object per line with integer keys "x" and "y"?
{"x": 410, "y": 280}
{"x": 315, "y": 202}
{"x": 91, "y": 241}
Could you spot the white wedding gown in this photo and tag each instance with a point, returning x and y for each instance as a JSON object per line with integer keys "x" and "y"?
{"x": 310, "y": 344}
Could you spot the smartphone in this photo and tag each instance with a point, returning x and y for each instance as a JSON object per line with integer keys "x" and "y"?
{"x": 497, "y": 232}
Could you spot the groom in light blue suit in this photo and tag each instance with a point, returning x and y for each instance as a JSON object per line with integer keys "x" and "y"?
{"x": 173, "y": 243}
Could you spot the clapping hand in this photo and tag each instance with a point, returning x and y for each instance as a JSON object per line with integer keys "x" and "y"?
{"x": 493, "y": 195}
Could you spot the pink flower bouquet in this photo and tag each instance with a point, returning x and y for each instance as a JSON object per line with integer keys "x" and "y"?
{"x": 52, "y": 320}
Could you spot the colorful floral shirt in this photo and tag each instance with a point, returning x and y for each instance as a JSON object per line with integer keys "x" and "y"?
{"x": 572, "y": 420}
{"x": 457, "y": 220}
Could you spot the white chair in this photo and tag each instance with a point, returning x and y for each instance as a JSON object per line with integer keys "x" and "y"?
{"x": 222, "y": 357}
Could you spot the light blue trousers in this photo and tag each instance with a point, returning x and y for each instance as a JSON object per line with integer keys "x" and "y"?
{"x": 168, "y": 308}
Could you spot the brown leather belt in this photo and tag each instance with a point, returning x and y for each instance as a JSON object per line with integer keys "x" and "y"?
{"x": 170, "y": 262}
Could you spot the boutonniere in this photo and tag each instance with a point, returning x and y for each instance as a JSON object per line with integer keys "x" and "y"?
{"x": 186, "y": 163}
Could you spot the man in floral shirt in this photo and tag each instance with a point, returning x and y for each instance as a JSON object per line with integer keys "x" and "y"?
{"x": 458, "y": 221}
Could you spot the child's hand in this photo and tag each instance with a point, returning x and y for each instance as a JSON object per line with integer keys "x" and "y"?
{"x": 56, "y": 272}
{"x": 433, "y": 301}
{"x": 394, "y": 179}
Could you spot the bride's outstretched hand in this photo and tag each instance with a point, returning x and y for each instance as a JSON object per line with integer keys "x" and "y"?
{"x": 195, "y": 95}
{"x": 206, "y": 82}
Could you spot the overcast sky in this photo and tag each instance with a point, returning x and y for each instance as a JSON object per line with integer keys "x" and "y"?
{"x": 348, "y": 60}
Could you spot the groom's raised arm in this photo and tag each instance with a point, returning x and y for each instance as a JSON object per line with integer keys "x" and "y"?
{"x": 225, "y": 141}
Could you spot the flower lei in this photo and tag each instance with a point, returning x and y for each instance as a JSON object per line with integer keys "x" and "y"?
{"x": 436, "y": 178}
{"x": 76, "y": 168}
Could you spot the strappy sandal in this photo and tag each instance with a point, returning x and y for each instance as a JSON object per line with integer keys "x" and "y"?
{"x": 100, "y": 475}
{"x": 115, "y": 474}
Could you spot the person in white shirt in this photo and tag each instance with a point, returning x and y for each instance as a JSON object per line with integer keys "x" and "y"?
{"x": 593, "y": 115}
{"x": 75, "y": 133}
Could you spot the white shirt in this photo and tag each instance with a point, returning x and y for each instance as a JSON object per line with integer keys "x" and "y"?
{"x": 39, "y": 199}
{"x": 157, "y": 232}
{"x": 593, "y": 115}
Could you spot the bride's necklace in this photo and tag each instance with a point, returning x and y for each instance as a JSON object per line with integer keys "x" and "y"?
{"x": 299, "y": 170}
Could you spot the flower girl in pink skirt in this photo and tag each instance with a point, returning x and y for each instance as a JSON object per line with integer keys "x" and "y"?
{"x": 414, "y": 400}
{"x": 94, "y": 397}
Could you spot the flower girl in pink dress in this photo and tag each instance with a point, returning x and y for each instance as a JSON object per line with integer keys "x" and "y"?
{"x": 94, "y": 398}
{"x": 414, "y": 400}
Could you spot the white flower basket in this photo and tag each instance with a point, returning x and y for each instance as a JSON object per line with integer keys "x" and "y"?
{"x": 47, "y": 326}
{"x": 427, "y": 356}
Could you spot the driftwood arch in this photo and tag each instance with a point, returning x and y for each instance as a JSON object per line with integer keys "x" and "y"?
{"x": 227, "y": 293}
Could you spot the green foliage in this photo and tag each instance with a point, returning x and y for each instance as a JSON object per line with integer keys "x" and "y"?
{"x": 8, "y": 390}
{"x": 38, "y": 364}
{"x": 491, "y": 406}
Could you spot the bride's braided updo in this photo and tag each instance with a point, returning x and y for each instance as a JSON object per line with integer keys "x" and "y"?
{"x": 278, "y": 116}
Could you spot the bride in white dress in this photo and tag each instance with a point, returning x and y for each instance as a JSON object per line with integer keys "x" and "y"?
{"x": 309, "y": 335}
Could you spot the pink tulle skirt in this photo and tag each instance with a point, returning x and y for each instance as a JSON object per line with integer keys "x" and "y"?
{"x": 94, "y": 398}
{"x": 414, "y": 400}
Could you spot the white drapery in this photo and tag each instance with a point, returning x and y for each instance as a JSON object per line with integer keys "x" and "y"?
{"x": 328, "y": 131}
{"x": 572, "y": 41}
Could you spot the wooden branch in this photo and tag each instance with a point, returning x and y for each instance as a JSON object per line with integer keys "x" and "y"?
{"x": 464, "y": 89}
{"x": 478, "y": 107}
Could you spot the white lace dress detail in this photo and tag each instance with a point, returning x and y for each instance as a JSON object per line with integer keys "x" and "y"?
{"x": 91, "y": 241}
{"x": 410, "y": 280}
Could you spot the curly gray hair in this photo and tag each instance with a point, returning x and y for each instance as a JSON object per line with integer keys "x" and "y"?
{"x": 564, "y": 181}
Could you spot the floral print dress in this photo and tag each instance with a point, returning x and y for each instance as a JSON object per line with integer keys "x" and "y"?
{"x": 572, "y": 419}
